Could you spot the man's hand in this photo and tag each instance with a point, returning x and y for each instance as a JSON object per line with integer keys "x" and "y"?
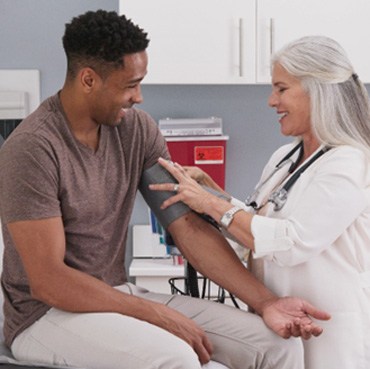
{"x": 292, "y": 316}
{"x": 184, "y": 328}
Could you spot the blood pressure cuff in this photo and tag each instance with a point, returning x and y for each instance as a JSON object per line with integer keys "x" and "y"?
{"x": 157, "y": 174}
{"x": 217, "y": 193}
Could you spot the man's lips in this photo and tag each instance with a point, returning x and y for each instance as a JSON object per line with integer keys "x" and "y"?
{"x": 122, "y": 112}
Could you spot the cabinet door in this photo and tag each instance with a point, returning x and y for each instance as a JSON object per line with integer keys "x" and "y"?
{"x": 197, "y": 41}
{"x": 281, "y": 21}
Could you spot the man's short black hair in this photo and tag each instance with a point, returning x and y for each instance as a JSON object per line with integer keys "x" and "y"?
{"x": 99, "y": 40}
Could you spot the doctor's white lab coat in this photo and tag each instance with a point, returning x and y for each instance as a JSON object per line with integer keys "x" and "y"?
{"x": 318, "y": 247}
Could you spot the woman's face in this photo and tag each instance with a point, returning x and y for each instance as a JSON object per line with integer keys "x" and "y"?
{"x": 291, "y": 102}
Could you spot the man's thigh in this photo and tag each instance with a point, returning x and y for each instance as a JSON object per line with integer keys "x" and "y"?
{"x": 105, "y": 340}
{"x": 101, "y": 340}
{"x": 240, "y": 339}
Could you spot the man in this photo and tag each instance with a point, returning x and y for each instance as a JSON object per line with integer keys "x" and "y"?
{"x": 69, "y": 175}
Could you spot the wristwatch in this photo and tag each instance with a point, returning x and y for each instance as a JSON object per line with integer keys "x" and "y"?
{"x": 228, "y": 216}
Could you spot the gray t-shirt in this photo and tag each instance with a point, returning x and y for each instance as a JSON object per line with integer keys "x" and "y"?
{"x": 46, "y": 172}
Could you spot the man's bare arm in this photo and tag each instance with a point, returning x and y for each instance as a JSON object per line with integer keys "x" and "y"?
{"x": 209, "y": 252}
{"x": 41, "y": 246}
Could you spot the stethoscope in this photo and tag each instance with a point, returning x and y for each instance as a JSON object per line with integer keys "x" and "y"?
{"x": 279, "y": 197}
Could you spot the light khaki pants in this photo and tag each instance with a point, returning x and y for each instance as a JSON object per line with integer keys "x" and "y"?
{"x": 113, "y": 341}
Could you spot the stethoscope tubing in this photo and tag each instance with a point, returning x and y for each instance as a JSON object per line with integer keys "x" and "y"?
{"x": 279, "y": 197}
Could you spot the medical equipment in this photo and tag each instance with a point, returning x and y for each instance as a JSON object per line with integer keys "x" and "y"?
{"x": 157, "y": 174}
{"x": 279, "y": 197}
{"x": 191, "y": 127}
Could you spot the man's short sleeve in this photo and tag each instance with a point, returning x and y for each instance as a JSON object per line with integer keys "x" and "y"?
{"x": 28, "y": 180}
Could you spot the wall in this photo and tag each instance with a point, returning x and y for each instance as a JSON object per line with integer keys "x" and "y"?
{"x": 31, "y": 32}
{"x": 30, "y": 37}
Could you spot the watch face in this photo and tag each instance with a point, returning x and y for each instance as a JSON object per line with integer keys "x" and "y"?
{"x": 229, "y": 216}
{"x": 226, "y": 219}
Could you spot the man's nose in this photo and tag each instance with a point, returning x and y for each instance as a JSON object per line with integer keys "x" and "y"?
{"x": 137, "y": 96}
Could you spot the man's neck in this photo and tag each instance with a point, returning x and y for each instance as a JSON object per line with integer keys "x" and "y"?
{"x": 85, "y": 130}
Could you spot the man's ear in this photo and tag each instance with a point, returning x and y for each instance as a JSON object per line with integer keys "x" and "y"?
{"x": 88, "y": 79}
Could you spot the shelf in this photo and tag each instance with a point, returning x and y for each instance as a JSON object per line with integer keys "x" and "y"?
{"x": 155, "y": 267}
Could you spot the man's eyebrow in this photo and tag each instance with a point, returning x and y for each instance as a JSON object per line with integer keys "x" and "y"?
{"x": 136, "y": 80}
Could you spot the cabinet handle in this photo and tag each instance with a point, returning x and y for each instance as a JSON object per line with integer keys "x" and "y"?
{"x": 272, "y": 36}
{"x": 241, "y": 47}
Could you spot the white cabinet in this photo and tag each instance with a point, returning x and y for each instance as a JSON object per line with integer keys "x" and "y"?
{"x": 230, "y": 41}
{"x": 281, "y": 21}
{"x": 197, "y": 41}
{"x": 154, "y": 274}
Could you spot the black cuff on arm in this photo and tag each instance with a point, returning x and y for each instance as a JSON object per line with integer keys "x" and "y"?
{"x": 154, "y": 199}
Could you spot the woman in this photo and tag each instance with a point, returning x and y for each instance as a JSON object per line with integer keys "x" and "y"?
{"x": 309, "y": 217}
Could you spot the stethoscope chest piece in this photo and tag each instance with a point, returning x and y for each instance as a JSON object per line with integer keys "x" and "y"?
{"x": 280, "y": 196}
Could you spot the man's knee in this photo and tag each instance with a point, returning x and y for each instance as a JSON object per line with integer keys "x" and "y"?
{"x": 286, "y": 353}
{"x": 182, "y": 356}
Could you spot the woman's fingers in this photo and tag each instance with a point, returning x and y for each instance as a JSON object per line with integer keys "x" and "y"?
{"x": 174, "y": 168}
{"x": 173, "y": 187}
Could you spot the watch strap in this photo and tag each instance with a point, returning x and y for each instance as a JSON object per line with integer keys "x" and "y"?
{"x": 228, "y": 216}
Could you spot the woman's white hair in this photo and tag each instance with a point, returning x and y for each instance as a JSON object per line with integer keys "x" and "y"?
{"x": 340, "y": 108}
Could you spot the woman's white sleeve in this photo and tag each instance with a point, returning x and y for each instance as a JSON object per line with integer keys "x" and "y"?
{"x": 240, "y": 204}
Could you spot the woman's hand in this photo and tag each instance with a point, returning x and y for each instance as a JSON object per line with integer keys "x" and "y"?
{"x": 203, "y": 178}
{"x": 196, "y": 173}
{"x": 187, "y": 190}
